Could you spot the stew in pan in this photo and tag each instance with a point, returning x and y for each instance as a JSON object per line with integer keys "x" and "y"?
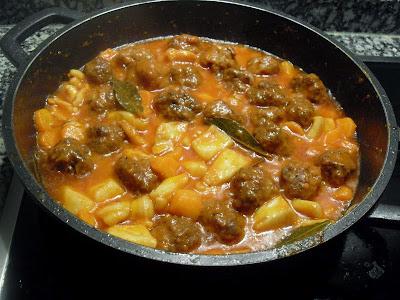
{"x": 193, "y": 145}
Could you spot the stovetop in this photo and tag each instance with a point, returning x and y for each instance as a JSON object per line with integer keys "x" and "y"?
{"x": 48, "y": 260}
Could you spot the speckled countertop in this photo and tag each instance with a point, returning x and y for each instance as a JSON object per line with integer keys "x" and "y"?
{"x": 360, "y": 43}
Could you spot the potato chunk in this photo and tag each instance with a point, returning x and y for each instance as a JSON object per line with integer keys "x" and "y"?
{"x": 167, "y": 135}
{"x": 142, "y": 209}
{"x": 195, "y": 168}
{"x": 106, "y": 190}
{"x": 114, "y": 212}
{"x": 74, "y": 201}
{"x": 211, "y": 142}
{"x": 225, "y": 166}
{"x": 308, "y": 208}
{"x": 274, "y": 214}
{"x": 162, "y": 194}
{"x": 138, "y": 234}
{"x": 320, "y": 125}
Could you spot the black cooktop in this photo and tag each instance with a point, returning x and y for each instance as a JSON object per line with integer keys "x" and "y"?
{"x": 48, "y": 260}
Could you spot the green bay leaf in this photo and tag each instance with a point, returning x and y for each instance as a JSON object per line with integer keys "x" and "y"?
{"x": 303, "y": 232}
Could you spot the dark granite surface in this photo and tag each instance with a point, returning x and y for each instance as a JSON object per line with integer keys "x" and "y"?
{"x": 381, "y": 16}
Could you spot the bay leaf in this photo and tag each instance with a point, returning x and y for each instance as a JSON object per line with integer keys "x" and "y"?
{"x": 239, "y": 134}
{"x": 127, "y": 94}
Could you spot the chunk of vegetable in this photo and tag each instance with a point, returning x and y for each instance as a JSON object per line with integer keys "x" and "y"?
{"x": 187, "y": 203}
{"x": 286, "y": 68}
{"x": 74, "y": 201}
{"x": 294, "y": 127}
{"x": 106, "y": 190}
{"x": 225, "y": 166}
{"x": 211, "y": 142}
{"x": 274, "y": 214}
{"x": 162, "y": 194}
{"x": 87, "y": 217}
{"x": 195, "y": 168}
{"x": 49, "y": 138}
{"x": 167, "y": 135}
{"x": 142, "y": 209}
{"x": 135, "y": 154}
{"x": 114, "y": 213}
{"x": 347, "y": 126}
{"x": 43, "y": 119}
{"x": 138, "y": 234}
{"x": 320, "y": 125}
{"x": 166, "y": 166}
{"x": 344, "y": 193}
{"x": 308, "y": 208}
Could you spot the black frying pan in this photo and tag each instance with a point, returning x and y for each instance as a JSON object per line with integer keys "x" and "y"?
{"x": 351, "y": 82}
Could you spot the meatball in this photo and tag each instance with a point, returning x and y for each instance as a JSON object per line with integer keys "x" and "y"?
{"x": 70, "y": 156}
{"x": 105, "y": 139}
{"x": 98, "y": 70}
{"x": 267, "y": 94}
{"x": 221, "y": 219}
{"x": 176, "y": 104}
{"x": 148, "y": 73}
{"x": 300, "y": 179}
{"x": 238, "y": 79}
{"x": 218, "y": 58}
{"x": 260, "y": 116}
{"x": 185, "y": 42}
{"x": 336, "y": 166}
{"x": 176, "y": 234}
{"x": 273, "y": 139}
{"x": 312, "y": 87}
{"x": 265, "y": 65}
{"x": 219, "y": 109}
{"x": 136, "y": 175}
{"x": 300, "y": 110}
{"x": 251, "y": 187}
{"x": 185, "y": 75}
{"x": 102, "y": 99}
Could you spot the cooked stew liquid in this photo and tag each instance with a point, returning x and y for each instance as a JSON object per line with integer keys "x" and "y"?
{"x": 192, "y": 145}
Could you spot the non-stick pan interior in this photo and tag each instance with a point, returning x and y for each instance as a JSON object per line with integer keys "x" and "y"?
{"x": 267, "y": 31}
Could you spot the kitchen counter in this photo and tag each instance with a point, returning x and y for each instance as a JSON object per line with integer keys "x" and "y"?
{"x": 360, "y": 43}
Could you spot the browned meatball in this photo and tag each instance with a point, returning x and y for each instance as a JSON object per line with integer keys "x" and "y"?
{"x": 70, "y": 156}
{"x": 300, "y": 110}
{"x": 300, "y": 179}
{"x": 238, "y": 79}
{"x": 336, "y": 166}
{"x": 273, "y": 139}
{"x": 219, "y": 109}
{"x": 218, "y": 58}
{"x": 267, "y": 94}
{"x": 266, "y": 65}
{"x": 98, "y": 70}
{"x": 260, "y": 116}
{"x": 105, "y": 139}
{"x": 251, "y": 187}
{"x": 185, "y": 75}
{"x": 221, "y": 219}
{"x": 185, "y": 42}
{"x": 136, "y": 175}
{"x": 102, "y": 99}
{"x": 311, "y": 86}
{"x": 176, "y": 104}
{"x": 176, "y": 234}
{"x": 149, "y": 74}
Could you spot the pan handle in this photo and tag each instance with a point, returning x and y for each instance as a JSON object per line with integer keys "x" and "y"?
{"x": 11, "y": 42}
